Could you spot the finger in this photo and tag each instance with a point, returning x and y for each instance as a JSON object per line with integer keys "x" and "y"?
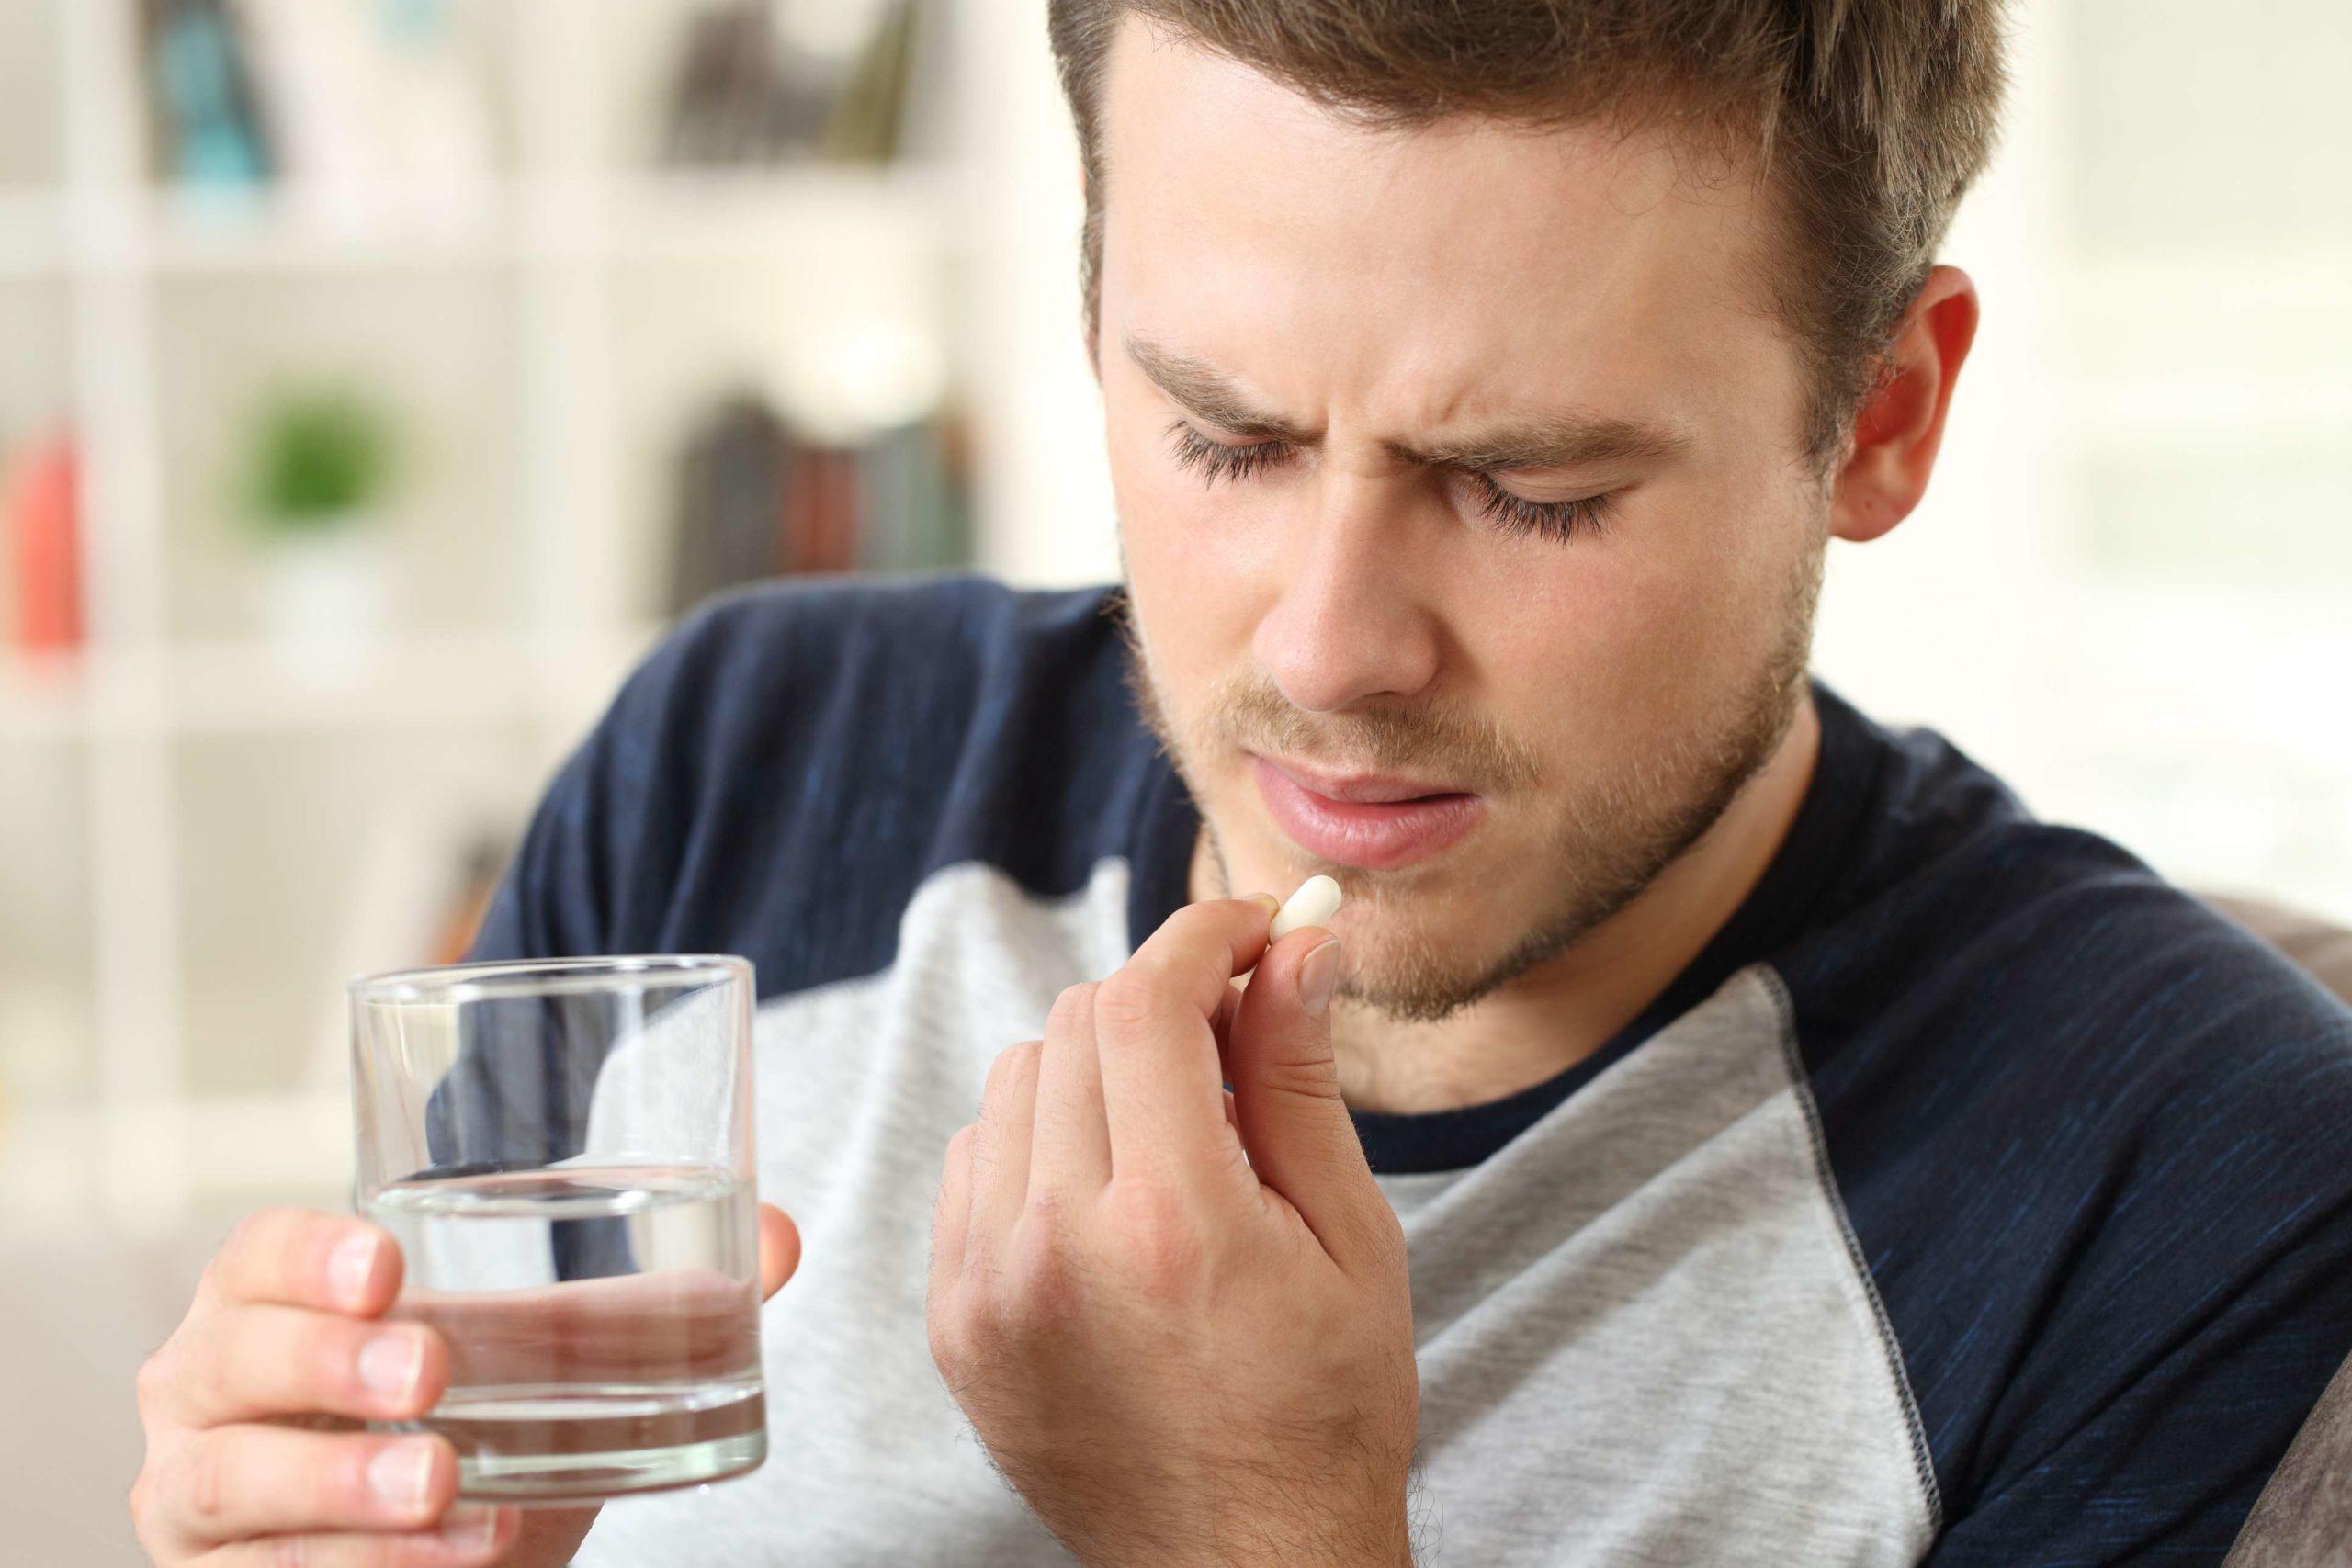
{"x": 950, "y": 1214}
{"x": 1295, "y": 1122}
{"x": 1221, "y": 1025}
{"x": 307, "y": 1258}
{"x": 1001, "y": 1148}
{"x": 1155, "y": 1036}
{"x": 245, "y": 1362}
{"x": 779, "y": 1249}
{"x": 470, "y": 1536}
{"x": 1071, "y": 1153}
{"x": 236, "y": 1482}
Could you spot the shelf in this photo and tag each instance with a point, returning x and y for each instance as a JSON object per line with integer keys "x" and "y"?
{"x": 186, "y": 232}
{"x": 656, "y": 213}
{"x": 44, "y": 696}
{"x": 683, "y": 213}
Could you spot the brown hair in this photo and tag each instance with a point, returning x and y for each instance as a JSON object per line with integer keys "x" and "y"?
{"x": 1870, "y": 118}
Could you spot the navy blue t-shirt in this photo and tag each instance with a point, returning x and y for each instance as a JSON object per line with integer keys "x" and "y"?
{"x": 2083, "y": 1140}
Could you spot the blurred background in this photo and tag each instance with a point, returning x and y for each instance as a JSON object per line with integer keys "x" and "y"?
{"x": 377, "y": 377}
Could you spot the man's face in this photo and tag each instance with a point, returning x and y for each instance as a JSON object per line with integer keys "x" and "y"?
{"x": 1458, "y": 464}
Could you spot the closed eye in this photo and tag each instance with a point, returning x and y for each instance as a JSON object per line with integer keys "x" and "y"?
{"x": 1509, "y": 513}
{"x": 1215, "y": 460}
{"x": 1561, "y": 520}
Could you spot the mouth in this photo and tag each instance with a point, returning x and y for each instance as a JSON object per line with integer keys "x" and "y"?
{"x": 1374, "y": 821}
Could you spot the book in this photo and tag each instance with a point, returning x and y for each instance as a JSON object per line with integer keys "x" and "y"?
{"x": 757, "y": 498}
{"x": 205, "y": 127}
{"x": 757, "y": 82}
{"x": 40, "y": 506}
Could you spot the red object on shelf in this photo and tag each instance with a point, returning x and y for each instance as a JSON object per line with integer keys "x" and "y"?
{"x": 43, "y": 523}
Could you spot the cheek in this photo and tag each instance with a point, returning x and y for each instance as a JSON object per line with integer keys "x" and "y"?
{"x": 1612, "y": 646}
{"x": 1196, "y": 567}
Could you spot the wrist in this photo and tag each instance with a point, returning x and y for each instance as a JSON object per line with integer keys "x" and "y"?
{"x": 1240, "y": 1533}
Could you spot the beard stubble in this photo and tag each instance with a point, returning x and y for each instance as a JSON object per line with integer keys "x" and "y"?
{"x": 1612, "y": 839}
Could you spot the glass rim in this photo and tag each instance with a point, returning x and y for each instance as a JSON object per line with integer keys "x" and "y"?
{"x": 497, "y": 978}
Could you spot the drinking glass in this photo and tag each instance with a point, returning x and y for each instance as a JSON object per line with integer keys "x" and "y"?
{"x": 564, "y": 1149}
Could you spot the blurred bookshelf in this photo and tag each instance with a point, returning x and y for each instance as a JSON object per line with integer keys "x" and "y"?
{"x": 2129, "y": 588}
{"x": 207, "y": 825}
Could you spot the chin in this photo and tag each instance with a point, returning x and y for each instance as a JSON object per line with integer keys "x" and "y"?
{"x": 1423, "y": 941}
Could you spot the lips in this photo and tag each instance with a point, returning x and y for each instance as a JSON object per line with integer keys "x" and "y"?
{"x": 1377, "y": 823}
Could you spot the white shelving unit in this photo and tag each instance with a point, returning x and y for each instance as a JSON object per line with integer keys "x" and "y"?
{"x": 183, "y": 810}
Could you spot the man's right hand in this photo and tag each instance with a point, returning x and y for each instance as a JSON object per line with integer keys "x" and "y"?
{"x": 255, "y": 1457}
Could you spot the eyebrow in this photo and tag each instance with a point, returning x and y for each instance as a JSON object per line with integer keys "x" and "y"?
{"x": 1550, "y": 441}
{"x": 1201, "y": 388}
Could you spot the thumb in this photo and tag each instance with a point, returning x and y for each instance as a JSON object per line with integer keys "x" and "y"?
{"x": 1286, "y": 1087}
{"x": 779, "y": 1249}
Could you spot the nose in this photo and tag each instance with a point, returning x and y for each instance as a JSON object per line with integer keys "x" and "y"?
{"x": 1351, "y": 621}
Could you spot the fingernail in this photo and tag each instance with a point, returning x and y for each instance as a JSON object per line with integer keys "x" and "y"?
{"x": 1317, "y": 973}
{"x": 399, "y": 1475}
{"x": 1269, "y": 901}
{"x": 470, "y": 1527}
{"x": 350, "y": 1268}
{"x": 391, "y": 1363}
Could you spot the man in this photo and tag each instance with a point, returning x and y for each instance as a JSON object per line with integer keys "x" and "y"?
{"x": 1722, "y": 1130}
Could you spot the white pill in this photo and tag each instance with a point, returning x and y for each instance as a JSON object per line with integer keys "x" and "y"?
{"x": 1316, "y": 900}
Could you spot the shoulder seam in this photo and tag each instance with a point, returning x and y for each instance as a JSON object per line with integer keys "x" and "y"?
{"x": 1923, "y": 1463}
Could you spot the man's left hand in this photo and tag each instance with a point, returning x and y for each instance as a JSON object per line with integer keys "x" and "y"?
{"x": 1176, "y": 1353}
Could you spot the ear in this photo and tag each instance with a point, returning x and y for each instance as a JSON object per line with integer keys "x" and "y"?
{"x": 1899, "y": 427}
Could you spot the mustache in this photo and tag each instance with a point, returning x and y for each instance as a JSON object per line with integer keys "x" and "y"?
{"x": 1247, "y": 711}
{"x": 1432, "y": 740}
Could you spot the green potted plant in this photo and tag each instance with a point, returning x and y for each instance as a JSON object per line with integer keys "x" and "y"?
{"x": 322, "y": 462}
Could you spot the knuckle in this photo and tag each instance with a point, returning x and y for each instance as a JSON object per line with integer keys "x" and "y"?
{"x": 202, "y": 1488}
{"x": 1007, "y": 1068}
{"x": 291, "y": 1551}
{"x": 944, "y": 1329}
{"x": 1071, "y": 1007}
{"x": 976, "y": 1313}
{"x": 1291, "y": 1075}
{"x": 1160, "y": 1245}
{"x": 1010, "y": 1065}
{"x": 154, "y": 1378}
{"x": 1043, "y": 1291}
{"x": 211, "y": 1378}
{"x": 1128, "y": 998}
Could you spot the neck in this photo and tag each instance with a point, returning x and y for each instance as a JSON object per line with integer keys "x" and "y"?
{"x": 1562, "y": 1011}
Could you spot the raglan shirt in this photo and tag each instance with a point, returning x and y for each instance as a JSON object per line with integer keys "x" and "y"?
{"x": 1974, "y": 1196}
